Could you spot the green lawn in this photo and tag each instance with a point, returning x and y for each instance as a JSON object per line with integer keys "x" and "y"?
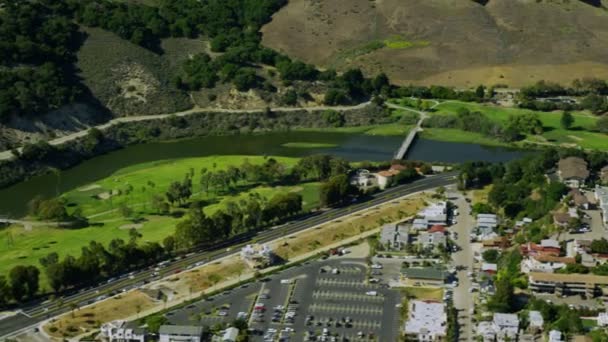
{"x": 582, "y": 134}
{"x": 423, "y": 293}
{"x": 308, "y": 145}
{"x": 383, "y": 129}
{"x": 18, "y": 246}
{"x": 457, "y": 135}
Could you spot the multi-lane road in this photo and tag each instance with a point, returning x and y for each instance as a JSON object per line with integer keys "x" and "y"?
{"x": 38, "y": 312}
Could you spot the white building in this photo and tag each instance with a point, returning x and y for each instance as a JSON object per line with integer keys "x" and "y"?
{"x": 536, "y": 320}
{"x": 180, "y": 333}
{"x": 435, "y": 214}
{"x": 601, "y": 195}
{"x": 363, "y": 179}
{"x": 427, "y": 321}
{"x": 229, "y": 335}
{"x": 394, "y": 236}
{"x": 432, "y": 240}
{"x": 420, "y": 224}
{"x": 602, "y": 319}
{"x": 257, "y": 255}
{"x": 555, "y": 336}
{"x": 122, "y": 331}
{"x": 503, "y": 327}
{"x": 487, "y": 221}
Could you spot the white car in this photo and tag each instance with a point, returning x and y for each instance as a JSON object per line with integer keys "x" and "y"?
{"x": 286, "y": 281}
{"x": 371, "y": 293}
{"x": 376, "y": 266}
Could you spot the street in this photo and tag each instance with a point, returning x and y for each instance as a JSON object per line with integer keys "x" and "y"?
{"x": 463, "y": 299}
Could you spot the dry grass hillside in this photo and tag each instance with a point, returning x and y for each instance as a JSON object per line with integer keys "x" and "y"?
{"x": 451, "y": 42}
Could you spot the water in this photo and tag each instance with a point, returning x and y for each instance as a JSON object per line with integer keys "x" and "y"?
{"x": 353, "y": 147}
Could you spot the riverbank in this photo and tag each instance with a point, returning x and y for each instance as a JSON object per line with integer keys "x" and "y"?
{"x": 65, "y": 153}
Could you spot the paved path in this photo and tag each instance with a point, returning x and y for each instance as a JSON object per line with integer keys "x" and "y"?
{"x": 5, "y": 155}
{"x": 405, "y": 146}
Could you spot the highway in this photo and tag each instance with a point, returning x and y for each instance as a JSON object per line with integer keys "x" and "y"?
{"x": 36, "y": 313}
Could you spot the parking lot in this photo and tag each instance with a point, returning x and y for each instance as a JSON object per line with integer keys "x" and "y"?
{"x": 329, "y": 300}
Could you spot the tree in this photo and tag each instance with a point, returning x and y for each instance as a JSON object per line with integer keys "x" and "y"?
{"x": 169, "y": 244}
{"x": 490, "y": 256}
{"x": 480, "y": 92}
{"x": 154, "y": 322}
{"x": 5, "y": 291}
{"x": 602, "y": 124}
{"x": 567, "y": 120}
{"x": 336, "y": 191}
{"x": 503, "y": 299}
{"x": 24, "y": 281}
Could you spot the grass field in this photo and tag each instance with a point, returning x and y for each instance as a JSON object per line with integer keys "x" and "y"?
{"x": 21, "y": 246}
{"x": 384, "y": 129}
{"x": 582, "y": 133}
{"x": 423, "y": 293}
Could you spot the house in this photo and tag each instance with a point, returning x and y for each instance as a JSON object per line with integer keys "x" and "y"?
{"x": 257, "y": 256}
{"x": 229, "y": 335}
{"x": 555, "y": 336}
{"x": 561, "y": 219}
{"x": 550, "y": 244}
{"x": 545, "y": 263}
{"x": 420, "y": 224}
{"x": 394, "y": 236}
{"x": 507, "y": 326}
{"x": 385, "y": 178}
{"x": 536, "y": 249}
{"x": 589, "y": 285}
{"x": 122, "y": 331}
{"x": 180, "y": 333}
{"x": 437, "y": 229}
{"x": 487, "y": 221}
{"x": 432, "y": 240}
{"x": 602, "y": 319}
{"x": 423, "y": 276}
{"x": 536, "y": 322}
{"x": 601, "y": 195}
{"x": 435, "y": 214}
{"x": 488, "y": 268}
{"x": 427, "y": 321}
{"x": 363, "y": 179}
{"x": 579, "y": 199}
{"x": 573, "y": 171}
{"x": 604, "y": 175}
{"x": 503, "y": 327}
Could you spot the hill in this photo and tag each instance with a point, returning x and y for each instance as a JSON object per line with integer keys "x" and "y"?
{"x": 450, "y": 42}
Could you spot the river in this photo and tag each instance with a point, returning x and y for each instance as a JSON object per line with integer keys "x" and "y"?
{"x": 354, "y": 147}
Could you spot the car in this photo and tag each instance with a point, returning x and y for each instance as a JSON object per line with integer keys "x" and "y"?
{"x": 374, "y": 280}
{"x": 376, "y": 266}
{"x": 371, "y": 293}
{"x": 286, "y": 281}
{"x": 264, "y": 296}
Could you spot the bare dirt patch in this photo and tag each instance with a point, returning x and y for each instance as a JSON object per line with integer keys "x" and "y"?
{"x": 458, "y": 43}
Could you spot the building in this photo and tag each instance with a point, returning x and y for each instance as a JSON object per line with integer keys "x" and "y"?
{"x": 588, "y": 285}
{"x": 363, "y": 179}
{"x": 488, "y": 221}
{"x": 506, "y": 325}
{"x": 420, "y": 224}
{"x": 122, "y": 331}
{"x": 423, "y": 276}
{"x": 432, "y": 240}
{"x": 578, "y": 199}
{"x": 257, "y": 256}
{"x": 180, "y": 333}
{"x": 229, "y": 335}
{"x": 545, "y": 263}
{"x": 503, "y": 327}
{"x": 601, "y": 195}
{"x": 488, "y": 268}
{"x": 555, "y": 336}
{"x": 602, "y": 319}
{"x": 604, "y": 175}
{"x": 394, "y": 236}
{"x": 536, "y": 322}
{"x": 573, "y": 171}
{"x": 427, "y": 321}
{"x": 435, "y": 214}
{"x": 385, "y": 178}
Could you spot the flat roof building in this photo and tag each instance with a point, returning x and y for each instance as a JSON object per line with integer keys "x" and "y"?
{"x": 588, "y": 285}
{"x": 180, "y": 333}
{"x": 427, "y": 321}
